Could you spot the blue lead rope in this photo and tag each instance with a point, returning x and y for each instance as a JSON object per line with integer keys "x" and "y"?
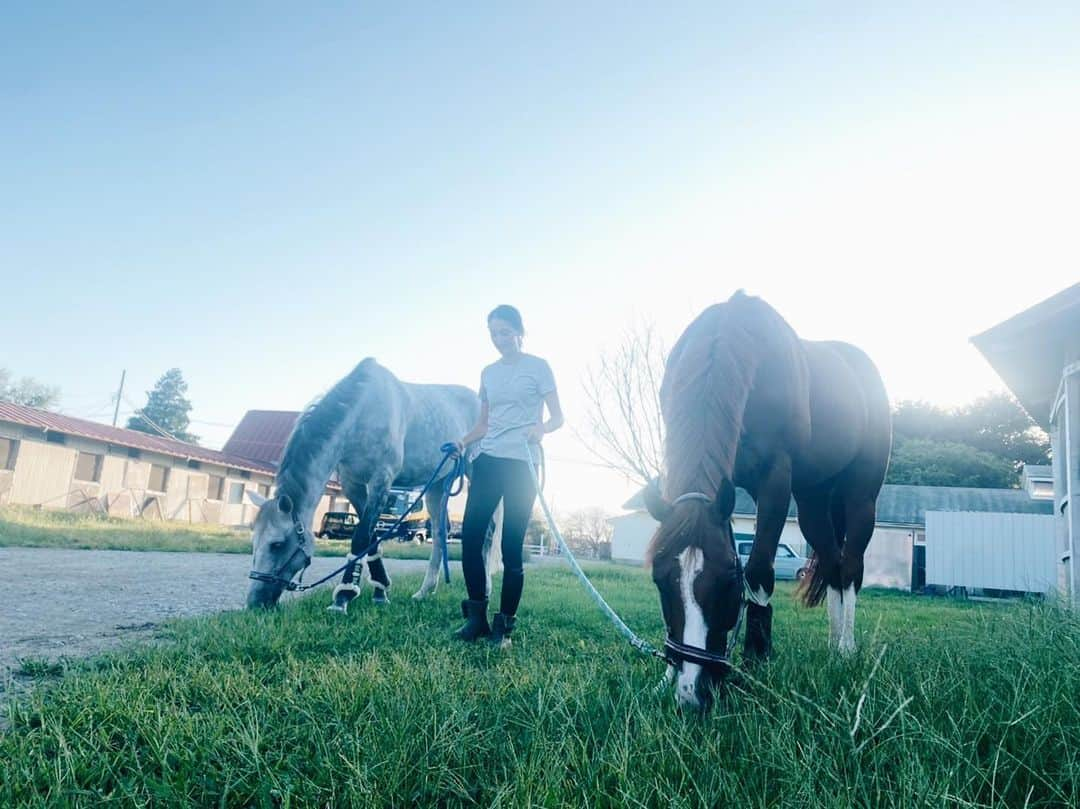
{"x": 456, "y": 475}
{"x": 637, "y": 642}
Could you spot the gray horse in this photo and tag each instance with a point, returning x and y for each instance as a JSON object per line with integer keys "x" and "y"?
{"x": 377, "y": 432}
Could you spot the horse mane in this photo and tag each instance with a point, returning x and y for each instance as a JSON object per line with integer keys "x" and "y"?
{"x": 317, "y": 424}
{"x": 706, "y": 385}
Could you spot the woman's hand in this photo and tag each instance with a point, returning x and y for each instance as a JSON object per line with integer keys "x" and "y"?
{"x": 535, "y": 434}
{"x": 459, "y": 447}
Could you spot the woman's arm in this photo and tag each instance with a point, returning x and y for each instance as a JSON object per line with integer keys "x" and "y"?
{"x": 478, "y": 431}
{"x": 536, "y": 434}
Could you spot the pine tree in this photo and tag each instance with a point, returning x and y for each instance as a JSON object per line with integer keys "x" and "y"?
{"x": 166, "y": 409}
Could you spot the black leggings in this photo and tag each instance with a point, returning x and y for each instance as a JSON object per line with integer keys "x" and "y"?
{"x": 492, "y": 480}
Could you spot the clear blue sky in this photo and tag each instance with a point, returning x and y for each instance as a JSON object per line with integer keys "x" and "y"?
{"x": 263, "y": 194}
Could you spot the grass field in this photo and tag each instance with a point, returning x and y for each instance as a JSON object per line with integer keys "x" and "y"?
{"x": 946, "y": 704}
{"x": 27, "y": 528}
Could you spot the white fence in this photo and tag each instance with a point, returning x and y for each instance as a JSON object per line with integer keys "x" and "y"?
{"x": 991, "y": 551}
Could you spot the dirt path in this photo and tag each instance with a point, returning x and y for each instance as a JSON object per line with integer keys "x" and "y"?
{"x": 61, "y": 603}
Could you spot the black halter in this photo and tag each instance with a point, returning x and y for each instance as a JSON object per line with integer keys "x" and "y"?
{"x": 677, "y": 652}
{"x": 276, "y": 577}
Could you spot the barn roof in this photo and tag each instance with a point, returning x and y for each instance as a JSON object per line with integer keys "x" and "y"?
{"x": 261, "y": 435}
{"x": 49, "y": 422}
{"x": 1029, "y": 350}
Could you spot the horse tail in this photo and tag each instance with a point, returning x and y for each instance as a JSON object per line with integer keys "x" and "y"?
{"x": 811, "y": 590}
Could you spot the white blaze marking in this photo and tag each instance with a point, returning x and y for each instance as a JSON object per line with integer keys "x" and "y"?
{"x": 691, "y": 563}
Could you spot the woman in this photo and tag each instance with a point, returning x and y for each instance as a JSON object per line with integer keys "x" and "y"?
{"x": 513, "y": 392}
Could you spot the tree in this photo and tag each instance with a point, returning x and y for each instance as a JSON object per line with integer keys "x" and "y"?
{"x": 997, "y": 424}
{"x": 588, "y": 531}
{"x": 27, "y": 391}
{"x": 166, "y": 411}
{"x": 924, "y": 462}
{"x": 623, "y": 392}
{"x": 995, "y": 428}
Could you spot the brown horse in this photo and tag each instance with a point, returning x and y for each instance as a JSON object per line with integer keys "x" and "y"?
{"x": 747, "y": 403}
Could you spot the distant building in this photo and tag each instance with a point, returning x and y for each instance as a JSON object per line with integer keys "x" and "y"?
{"x": 896, "y": 556}
{"x": 1037, "y": 353}
{"x": 48, "y": 460}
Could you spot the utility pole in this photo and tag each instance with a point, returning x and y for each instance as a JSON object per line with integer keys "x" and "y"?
{"x": 119, "y": 393}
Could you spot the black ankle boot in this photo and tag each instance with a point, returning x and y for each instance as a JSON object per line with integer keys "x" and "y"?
{"x": 476, "y": 623}
{"x": 501, "y": 628}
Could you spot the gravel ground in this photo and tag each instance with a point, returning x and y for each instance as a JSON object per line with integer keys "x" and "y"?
{"x": 76, "y": 603}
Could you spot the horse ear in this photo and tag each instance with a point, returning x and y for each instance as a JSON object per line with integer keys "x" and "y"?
{"x": 724, "y": 505}
{"x": 658, "y": 507}
{"x": 285, "y": 504}
{"x": 257, "y": 499}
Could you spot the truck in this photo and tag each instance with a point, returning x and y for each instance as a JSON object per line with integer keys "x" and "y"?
{"x": 416, "y": 527}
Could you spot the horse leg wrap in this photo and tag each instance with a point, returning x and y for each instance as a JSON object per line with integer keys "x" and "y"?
{"x": 380, "y": 594}
{"x": 758, "y": 643}
{"x": 377, "y": 570}
{"x": 343, "y": 594}
{"x": 350, "y": 571}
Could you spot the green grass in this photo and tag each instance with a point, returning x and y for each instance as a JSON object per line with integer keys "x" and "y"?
{"x": 946, "y": 704}
{"x": 28, "y": 528}
{"x": 406, "y": 550}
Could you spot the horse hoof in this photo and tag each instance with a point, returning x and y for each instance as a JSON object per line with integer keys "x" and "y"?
{"x": 421, "y": 594}
{"x": 342, "y": 608}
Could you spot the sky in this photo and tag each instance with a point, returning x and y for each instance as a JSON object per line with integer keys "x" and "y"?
{"x": 264, "y": 194}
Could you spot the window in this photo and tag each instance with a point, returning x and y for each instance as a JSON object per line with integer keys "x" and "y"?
{"x": 9, "y": 452}
{"x": 784, "y": 552}
{"x": 216, "y": 489}
{"x": 264, "y": 489}
{"x": 159, "y": 478}
{"x": 236, "y": 493}
{"x": 1042, "y": 489}
{"x": 134, "y": 453}
{"x": 193, "y": 464}
{"x": 744, "y": 548}
{"x": 88, "y": 467}
{"x": 55, "y": 438}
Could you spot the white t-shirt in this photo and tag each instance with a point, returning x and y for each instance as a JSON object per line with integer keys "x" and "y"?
{"x": 514, "y": 393}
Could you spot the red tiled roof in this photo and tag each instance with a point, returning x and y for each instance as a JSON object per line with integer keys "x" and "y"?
{"x": 54, "y": 422}
{"x": 261, "y": 435}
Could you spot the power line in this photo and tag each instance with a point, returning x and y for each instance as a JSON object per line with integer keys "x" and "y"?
{"x": 142, "y": 415}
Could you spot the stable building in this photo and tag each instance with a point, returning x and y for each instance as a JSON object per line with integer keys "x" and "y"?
{"x": 1037, "y": 354}
{"x": 52, "y": 461}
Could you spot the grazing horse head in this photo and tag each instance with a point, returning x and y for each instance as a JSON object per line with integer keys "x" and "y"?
{"x": 281, "y": 548}
{"x": 697, "y": 572}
